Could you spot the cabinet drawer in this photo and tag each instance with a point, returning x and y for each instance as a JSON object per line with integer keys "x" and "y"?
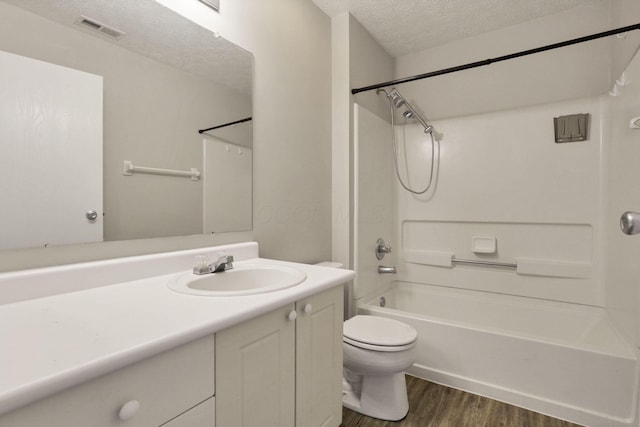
{"x": 164, "y": 385}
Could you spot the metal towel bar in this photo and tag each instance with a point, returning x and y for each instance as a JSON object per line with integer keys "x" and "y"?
{"x": 487, "y": 263}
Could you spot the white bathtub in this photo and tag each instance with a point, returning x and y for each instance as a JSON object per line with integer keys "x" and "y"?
{"x": 561, "y": 359}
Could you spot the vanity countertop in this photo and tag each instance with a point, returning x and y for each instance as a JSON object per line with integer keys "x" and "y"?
{"x": 55, "y": 342}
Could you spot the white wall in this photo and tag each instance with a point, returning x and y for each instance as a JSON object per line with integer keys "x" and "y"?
{"x": 341, "y": 136}
{"x": 291, "y": 43}
{"x": 357, "y": 60}
{"x": 359, "y": 216}
{"x": 369, "y": 63}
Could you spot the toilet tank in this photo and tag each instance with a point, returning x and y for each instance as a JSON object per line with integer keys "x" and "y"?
{"x": 348, "y": 288}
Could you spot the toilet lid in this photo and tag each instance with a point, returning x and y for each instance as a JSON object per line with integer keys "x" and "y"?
{"x": 378, "y": 331}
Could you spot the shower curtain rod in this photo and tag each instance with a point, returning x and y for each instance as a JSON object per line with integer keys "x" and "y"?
{"x": 225, "y": 125}
{"x": 498, "y": 59}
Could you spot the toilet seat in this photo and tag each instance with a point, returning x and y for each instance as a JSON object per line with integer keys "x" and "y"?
{"x": 379, "y": 333}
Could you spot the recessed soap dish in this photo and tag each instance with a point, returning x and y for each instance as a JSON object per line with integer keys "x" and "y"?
{"x": 484, "y": 244}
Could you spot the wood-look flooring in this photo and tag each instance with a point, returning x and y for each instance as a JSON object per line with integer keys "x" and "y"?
{"x": 433, "y": 405}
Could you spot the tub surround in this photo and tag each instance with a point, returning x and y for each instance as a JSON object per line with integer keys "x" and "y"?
{"x": 69, "y": 324}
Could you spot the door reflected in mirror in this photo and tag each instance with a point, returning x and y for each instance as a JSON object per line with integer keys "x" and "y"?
{"x": 164, "y": 80}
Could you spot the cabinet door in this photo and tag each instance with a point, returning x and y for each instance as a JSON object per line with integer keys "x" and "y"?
{"x": 319, "y": 359}
{"x": 255, "y": 372}
{"x": 202, "y": 415}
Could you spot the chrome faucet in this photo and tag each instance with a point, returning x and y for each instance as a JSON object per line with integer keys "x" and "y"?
{"x": 223, "y": 263}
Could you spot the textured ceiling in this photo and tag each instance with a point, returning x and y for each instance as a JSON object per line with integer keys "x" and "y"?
{"x": 407, "y": 26}
{"x": 156, "y": 32}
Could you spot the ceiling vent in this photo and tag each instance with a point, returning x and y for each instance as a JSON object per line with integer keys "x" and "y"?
{"x": 99, "y": 27}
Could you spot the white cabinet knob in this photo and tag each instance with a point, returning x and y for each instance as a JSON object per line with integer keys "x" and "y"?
{"x": 307, "y": 308}
{"x": 293, "y": 315}
{"x": 129, "y": 410}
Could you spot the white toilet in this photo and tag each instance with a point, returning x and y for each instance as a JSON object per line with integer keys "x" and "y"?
{"x": 377, "y": 351}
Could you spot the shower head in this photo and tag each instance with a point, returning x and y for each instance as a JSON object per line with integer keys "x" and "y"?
{"x": 396, "y": 98}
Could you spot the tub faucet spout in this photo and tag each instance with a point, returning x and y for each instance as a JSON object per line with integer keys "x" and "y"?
{"x": 382, "y": 269}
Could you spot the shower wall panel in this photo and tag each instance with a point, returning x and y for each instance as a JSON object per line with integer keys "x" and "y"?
{"x": 501, "y": 175}
{"x": 623, "y": 194}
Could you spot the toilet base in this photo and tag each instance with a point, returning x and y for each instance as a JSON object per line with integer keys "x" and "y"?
{"x": 378, "y": 396}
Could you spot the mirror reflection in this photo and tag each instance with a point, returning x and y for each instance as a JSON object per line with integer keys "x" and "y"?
{"x": 163, "y": 79}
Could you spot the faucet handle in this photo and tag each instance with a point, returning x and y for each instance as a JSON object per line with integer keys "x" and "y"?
{"x": 201, "y": 265}
{"x": 226, "y": 259}
{"x": 382, "y": 249}
{"x": 229, "y": 262}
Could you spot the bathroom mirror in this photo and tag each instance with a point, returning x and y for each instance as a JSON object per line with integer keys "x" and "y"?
{"x": 164, "y": 79}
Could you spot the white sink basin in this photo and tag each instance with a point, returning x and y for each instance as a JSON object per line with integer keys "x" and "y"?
{"x": 248, "y": 279}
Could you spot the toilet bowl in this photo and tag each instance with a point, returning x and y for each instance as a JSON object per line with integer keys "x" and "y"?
{"x": 376, "y": 352}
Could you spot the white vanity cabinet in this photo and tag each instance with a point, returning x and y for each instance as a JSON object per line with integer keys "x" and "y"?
{"x": 283, "y": 369}
{"x": 111, "y": 344}
{"x": 172, "y": 389}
